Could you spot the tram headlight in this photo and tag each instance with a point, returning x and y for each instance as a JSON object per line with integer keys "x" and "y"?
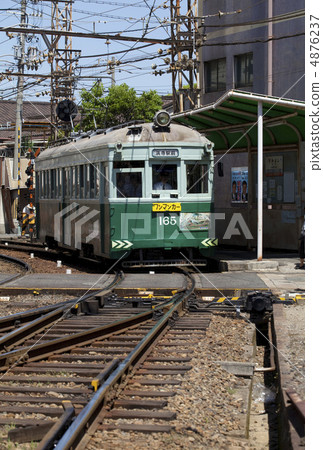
{"x": 208, "y": 147}
{"x": 162, "y": 118}
{"x": 118, "y": 147}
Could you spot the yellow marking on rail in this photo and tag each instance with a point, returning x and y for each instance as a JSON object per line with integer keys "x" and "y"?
{"x": 283, "y": 299}
{"x": 95, "y": 384}
{"x": 151, "y": 296}
{"x": 222, "y": 299}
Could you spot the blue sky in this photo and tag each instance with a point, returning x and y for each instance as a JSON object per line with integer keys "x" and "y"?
{"x": 145, "y": 17}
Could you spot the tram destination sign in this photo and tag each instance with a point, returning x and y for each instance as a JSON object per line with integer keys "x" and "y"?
{"x": 168, "y": 153}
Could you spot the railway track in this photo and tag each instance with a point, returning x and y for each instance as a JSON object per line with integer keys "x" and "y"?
{"x": 104, "y": 363}
{"x": 45, "y": 253}
{"x": 78, "y": 354}
{"x": 17, "y": 264}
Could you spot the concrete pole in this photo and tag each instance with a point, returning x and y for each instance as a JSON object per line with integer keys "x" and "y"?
{"x": 270, "y": 49}
{"x": 20, "y": 86}
{"x": 113, "y": 70}
{"x": 260, "y": 183}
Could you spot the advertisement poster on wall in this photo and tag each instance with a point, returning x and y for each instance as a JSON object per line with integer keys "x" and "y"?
{"x": 239, "y": 184}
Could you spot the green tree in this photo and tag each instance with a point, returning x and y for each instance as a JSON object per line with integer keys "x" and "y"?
{"x": 120, "y": 105}
{"x": 93, "y": 106}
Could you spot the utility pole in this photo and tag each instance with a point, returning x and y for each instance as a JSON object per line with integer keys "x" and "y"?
{"x": 62, "y": 81}
{"x": 184, "y": 66}
{"x": 20, "y": 86}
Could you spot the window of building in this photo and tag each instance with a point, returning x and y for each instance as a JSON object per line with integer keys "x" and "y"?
{"x": 243, "y": 70}
{"x": 215, "y": 75}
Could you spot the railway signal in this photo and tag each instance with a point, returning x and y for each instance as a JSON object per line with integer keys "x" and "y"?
{"x": 28, "y": 214}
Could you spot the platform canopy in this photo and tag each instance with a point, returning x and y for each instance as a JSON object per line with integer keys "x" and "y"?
{"x": 231, "y": 121}
{"x": 244, "y": 120}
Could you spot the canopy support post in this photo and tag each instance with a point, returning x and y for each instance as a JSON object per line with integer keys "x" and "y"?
{"x": 260, "y": 183}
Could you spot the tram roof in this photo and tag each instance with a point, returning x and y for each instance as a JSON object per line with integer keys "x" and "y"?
{"x": 231, "y": 121}
{"x": 150, "y": 135}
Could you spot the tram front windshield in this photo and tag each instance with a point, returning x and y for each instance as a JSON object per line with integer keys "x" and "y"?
{"x": 164, "y": 177}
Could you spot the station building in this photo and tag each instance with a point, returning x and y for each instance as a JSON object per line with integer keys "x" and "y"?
{"x": 35, "y": 133}
{"x": 254, "y": 53}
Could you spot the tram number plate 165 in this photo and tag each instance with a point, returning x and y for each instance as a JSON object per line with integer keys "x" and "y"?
{"x": 158, "y": 207}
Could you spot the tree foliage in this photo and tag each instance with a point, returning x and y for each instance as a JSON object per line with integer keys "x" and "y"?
{"x": 120, "y": 105}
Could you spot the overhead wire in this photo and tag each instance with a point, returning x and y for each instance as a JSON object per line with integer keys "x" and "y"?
{"x": 148, "y": 29}
{"x": 281, "y": 17}
{"x": 254, "y": 41}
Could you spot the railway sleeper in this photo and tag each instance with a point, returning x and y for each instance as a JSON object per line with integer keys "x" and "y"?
{"x": 141, "y": 428}
{"x": 140, "y": 404}
{"x": 140, "y": 414}
{"x": 150, "y": 393}
{"x": 45, "y": 411}
{"x": 39, "y": 400}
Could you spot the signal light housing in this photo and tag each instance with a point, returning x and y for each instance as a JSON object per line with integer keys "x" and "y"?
{"x": 29, "y": 170}
{"x": 29, "y": 182}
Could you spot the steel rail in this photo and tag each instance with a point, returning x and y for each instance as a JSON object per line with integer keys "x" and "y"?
{"x": 49, "y": 253}
{"x": 61, "y": 345}
{"x": 15, "y": 261}
{"x": 15, "y": 337}
{"x": 87, "y": 416}
{"x": 297, "y": 402}
{"x": 15, "y": 320}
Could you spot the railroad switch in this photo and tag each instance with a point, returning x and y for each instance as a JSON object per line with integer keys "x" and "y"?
{"x": 258, "y": 304}
{"x": 172, "y": 320}
{"x": 157, "y": 314}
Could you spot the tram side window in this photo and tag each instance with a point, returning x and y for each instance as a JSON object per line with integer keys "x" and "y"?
{"x": 73, "y": 185}
{"x": 197, "y": 178}
{"x": 87, "y": 181}
{"x": 76, "y": 185}
{"x": 81, "y": 174}
{"x": 91, "y": 181}
{"x": 53, "y": 183}
{"x": 41, "y": 184}
{"x": 129, "y": 184}
{"x": 66, "y": 182}
{"x": 94, "y": 180}
{"x": 97, "y": 174}
{"x": 164, "y": 176}
{"x": 106, "y": 181}
{"x": 46, "y": 184}
{"x": 38, "y": 186}
{"x": 59, "y": 184}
